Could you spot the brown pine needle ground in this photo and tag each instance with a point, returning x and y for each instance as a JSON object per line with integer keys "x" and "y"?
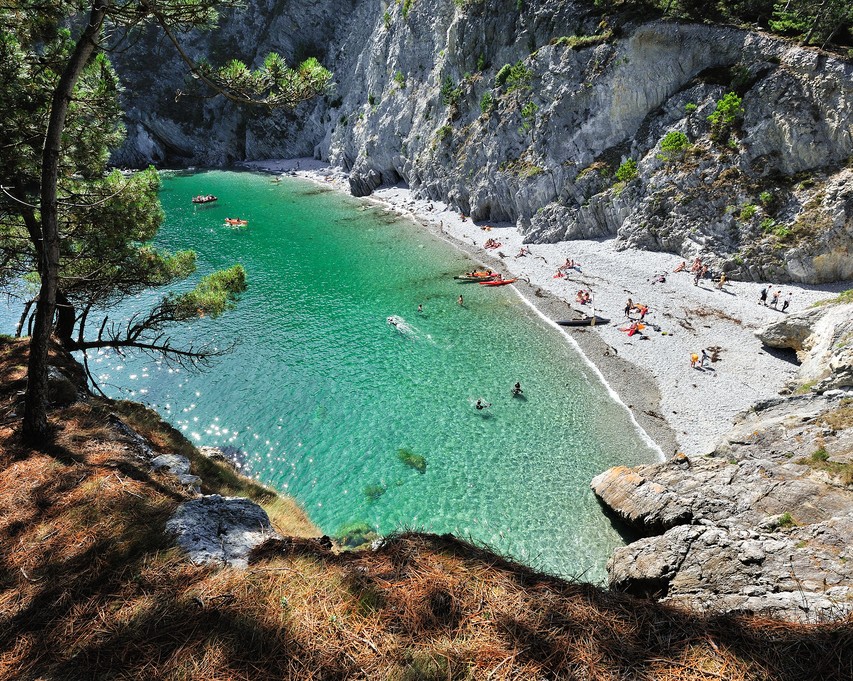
{"x": 91, "y": 588}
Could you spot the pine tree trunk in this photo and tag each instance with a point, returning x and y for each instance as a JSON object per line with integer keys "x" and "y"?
{"x": 35, "y": 427}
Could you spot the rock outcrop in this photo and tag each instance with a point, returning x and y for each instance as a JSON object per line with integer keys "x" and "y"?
{"x": 762, "y": 525}
{"x": 525, "y": 113}
{"x": 823, "y": 340}
{"x": 221, "y": 530}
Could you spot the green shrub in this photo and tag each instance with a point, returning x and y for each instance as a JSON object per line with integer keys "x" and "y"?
{"x": 387, "y": 19}
{"x": 407, "y": 5}
{"x": 767, "y": 224}
{"x": 577, "y": 42}
{"x": 767, "y": 198}
{"x": 400, "y": 79}
{"x": 673, "y": 144}
{"x": 748, "y": 212}
{"x": 486, "y": 102}
{"x": 627, "y": 171}
{"x": 371, "y": 100}
{"x": 820, "y": 455}
{"x": 481, "y": 62}
{"x": 450, "y": 93}
{"x": 728, "y": 111}
{"x": 785, "y": 520}
{"x": 412, "y": 460}
{"x": 443, "y": 132}
{"x": 690, "y": 107}
{"x": 514, "y": 76}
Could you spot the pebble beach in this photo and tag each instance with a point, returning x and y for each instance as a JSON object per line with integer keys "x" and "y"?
{"x": 681, "y": 408}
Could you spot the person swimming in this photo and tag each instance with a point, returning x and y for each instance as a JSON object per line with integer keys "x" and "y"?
{"x": 516, "y": 389}
{"x": 482, "y": 405}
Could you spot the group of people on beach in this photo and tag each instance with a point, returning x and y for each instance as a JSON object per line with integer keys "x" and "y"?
{"x": 774, "y": 299}
{"x": 491, "y": 243}
{"x": 563, "y": 269}
{"x": 630, "y": 306}
{"x": 584, "y": 296}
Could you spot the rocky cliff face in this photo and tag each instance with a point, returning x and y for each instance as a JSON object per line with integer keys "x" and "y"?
{"x": 823, "y": 340}
{"x": 525, "y": 111}
{"x": 765, "y": 522}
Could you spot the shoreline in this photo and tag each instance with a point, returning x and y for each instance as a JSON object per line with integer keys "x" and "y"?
{"x": 679, "y": 408}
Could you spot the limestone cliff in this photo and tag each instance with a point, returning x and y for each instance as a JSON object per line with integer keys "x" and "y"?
{"x": 525, "y": 111}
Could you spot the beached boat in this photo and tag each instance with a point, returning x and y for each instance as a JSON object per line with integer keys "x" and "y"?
{"x": 498, "y": 282}
{"x": 205, "y": 199}
{"x": 584, "y": 321}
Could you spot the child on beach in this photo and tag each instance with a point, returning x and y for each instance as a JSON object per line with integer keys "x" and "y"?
{"x": 694, "y": 358}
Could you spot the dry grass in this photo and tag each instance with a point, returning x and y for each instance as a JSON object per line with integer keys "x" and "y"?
{"x": 90, "y": 588}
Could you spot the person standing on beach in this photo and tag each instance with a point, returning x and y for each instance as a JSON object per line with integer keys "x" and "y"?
{"x": 694, "y": 358}
{"x": 628, "y": 307}
{"x": 775, "y": 299}
{"x": 722, "y": 281}
{"x": 787, "y": 301}
{"x": 705, "y": 357}
{"x": 762, "y": 298}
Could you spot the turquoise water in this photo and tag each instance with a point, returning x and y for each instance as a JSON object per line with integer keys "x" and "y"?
{"x": 322, "y": 392}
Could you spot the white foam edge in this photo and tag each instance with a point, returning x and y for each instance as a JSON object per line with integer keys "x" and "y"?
{"x": 644, "y": 436}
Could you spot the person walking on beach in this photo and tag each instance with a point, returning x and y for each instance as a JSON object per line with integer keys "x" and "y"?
{"x": 762, "y": 298}
{"x": 705, "y": 357}
{"x": 694, "y": 358}
{"x": 696, "y": 277}
{"x": 775, "y": 299}
{"x": 628, "y": 307}
{"x": 722, "y": 281}
{"x": 787, "y": 301}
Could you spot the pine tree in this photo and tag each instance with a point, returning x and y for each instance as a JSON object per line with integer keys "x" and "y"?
{"x": 82, "y": 233}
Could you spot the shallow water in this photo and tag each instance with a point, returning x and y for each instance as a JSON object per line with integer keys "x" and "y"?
{"x": 321, "y": 392}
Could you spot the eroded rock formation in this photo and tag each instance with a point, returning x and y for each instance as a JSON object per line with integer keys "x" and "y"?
{"x": 526, "y": 115}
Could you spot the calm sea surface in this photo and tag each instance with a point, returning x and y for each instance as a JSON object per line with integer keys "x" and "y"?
{"x": 321, "y": 392}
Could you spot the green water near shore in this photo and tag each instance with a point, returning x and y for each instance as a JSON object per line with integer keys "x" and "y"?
{"x": 322, "y": 393}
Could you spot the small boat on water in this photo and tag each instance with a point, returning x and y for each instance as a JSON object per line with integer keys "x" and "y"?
{"x": 584, "y": 321}
{"x": 236, "y": 222}
{"x": 209, "y": 198}
{"x": 498, "y": 282}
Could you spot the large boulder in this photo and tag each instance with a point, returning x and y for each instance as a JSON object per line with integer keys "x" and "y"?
{"x": 221, "y": 530}
{"x": 823, "y": 340}
{"x": 764, "y": 525}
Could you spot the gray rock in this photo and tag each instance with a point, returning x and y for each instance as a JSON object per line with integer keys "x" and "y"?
{"x": 823, "y": 339}
{"x": 174, "y": 464}
{"x": 223, "y": 530}
{"x": 761, "y": 526}
{"x": 61, "y": 390}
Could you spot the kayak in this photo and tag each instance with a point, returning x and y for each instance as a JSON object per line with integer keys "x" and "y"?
{"x": 204, "y": 199}
{"x": 584, "y": 321}
{"x": 497, "y": 282}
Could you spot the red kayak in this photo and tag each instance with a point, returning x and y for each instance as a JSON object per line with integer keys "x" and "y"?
{"x": 497, "y": 282}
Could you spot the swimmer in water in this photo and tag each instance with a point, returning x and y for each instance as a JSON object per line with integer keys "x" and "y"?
{"x": 516, "y": 389}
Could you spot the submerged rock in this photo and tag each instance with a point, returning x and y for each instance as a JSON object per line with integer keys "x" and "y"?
{"x": 217, "y": 529}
